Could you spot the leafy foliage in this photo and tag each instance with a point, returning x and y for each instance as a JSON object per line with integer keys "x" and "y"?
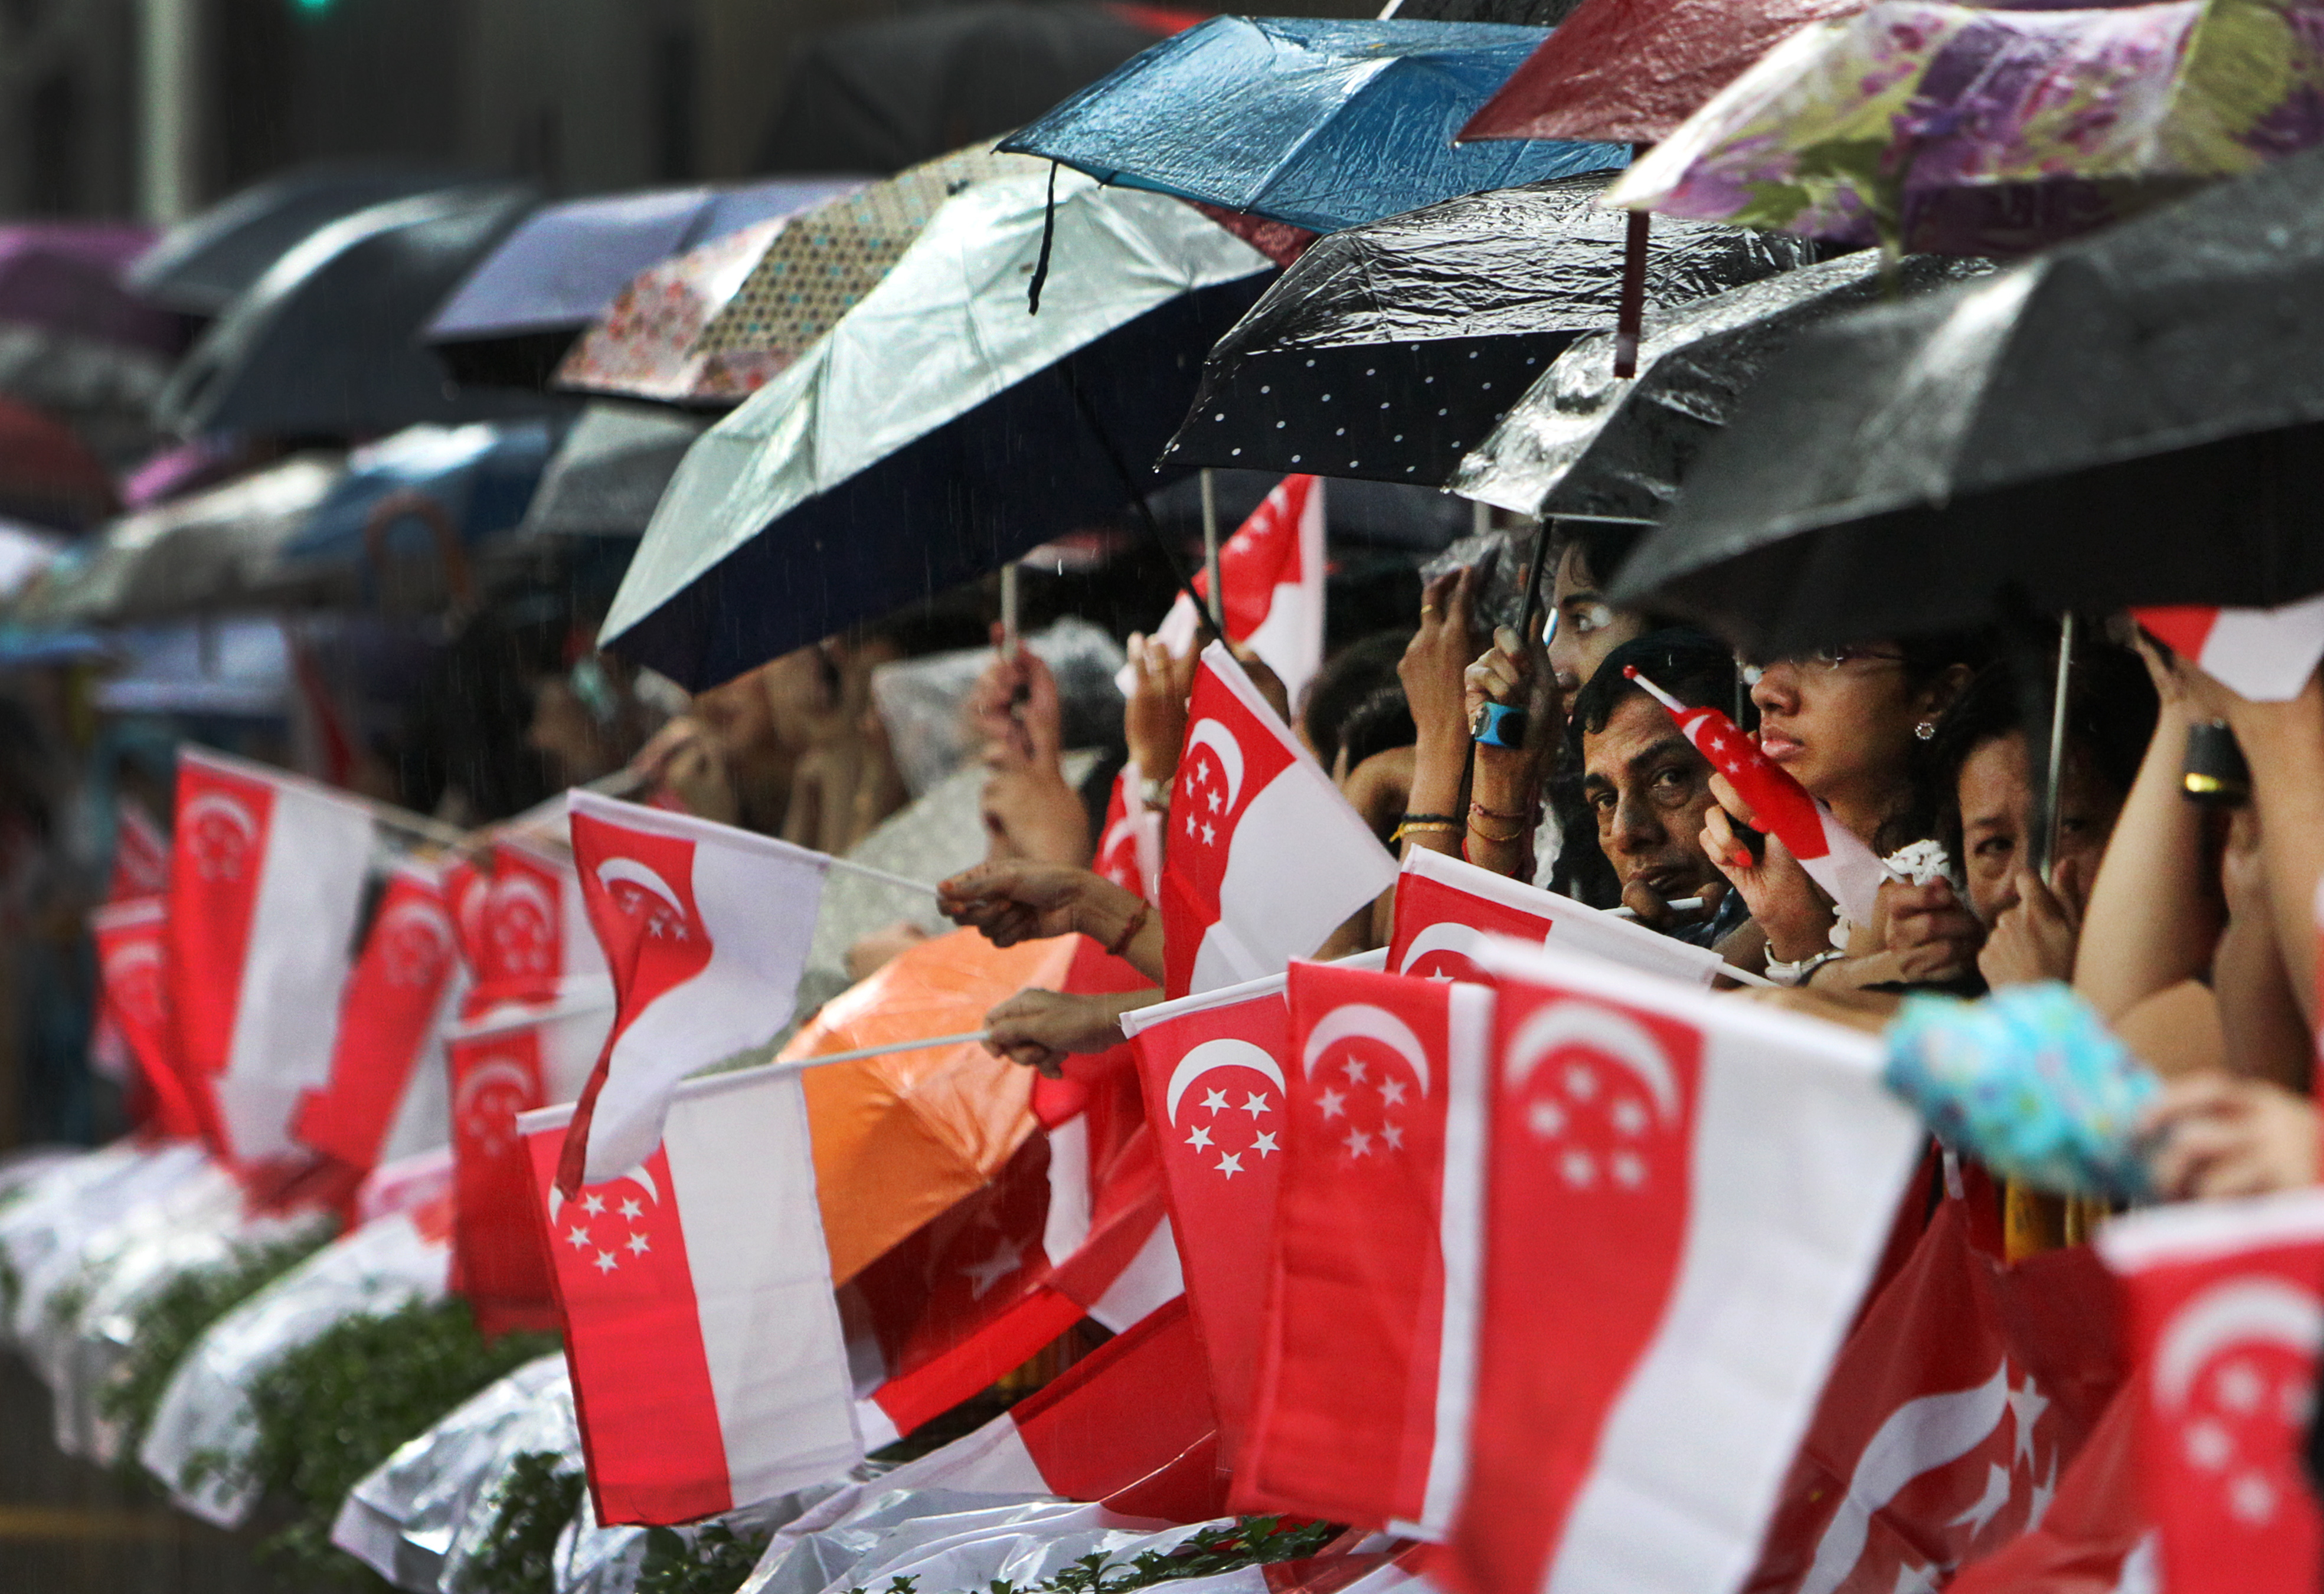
{"x": 165, "y": 1325}
{"x": 333, "y": 1409}
{"x": 534, "y": 1501}
{"x": 715, "y": 1562}
{"x": 1254, "y": 1540}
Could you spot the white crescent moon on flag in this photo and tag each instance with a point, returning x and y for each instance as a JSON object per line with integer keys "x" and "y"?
{"x": 639, "y": 876}
{"x": 1371, "y": 1023}
{"x": 1119, "y": 830}
{"x": 2234, "y": 1312}
{"x": 1218, "y": 1054}
{"x": 128, "y": 960}
{"x": 424, "y": 915}
{"x": 1221, "y": 740}
{"x": 1459, "y": 940}
{"x": 637, "y": 1175}
{"x": 235, "y": 811}
{"x": 497, "y": 1068}
{"x": 527, "y": 888}
{"x": 1602, "y": 1030}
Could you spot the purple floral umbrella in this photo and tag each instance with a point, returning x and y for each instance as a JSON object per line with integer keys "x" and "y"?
{"x": 1973, "y": 131}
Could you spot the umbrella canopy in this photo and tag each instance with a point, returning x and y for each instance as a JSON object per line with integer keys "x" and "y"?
{"x": 609, "y": 471}
{"x": 200, "y": 553}
{"x": 446, "y": 487}
{"x": 24, "y": 552}
{"x": 940, "y": 429}
{"x": 1586, "y": 443}
{"x": 713, "y": 326}
{"x": 1632, "y": 70}
{"x": 104, "y": 391}
{"x": 1389, "y": 351}
{"x": 1322, "y": 123}
{"x": 1982, "y": 131}
{"x": 1531, "y": 13}
{"x": 66, "y": 276}
{"x": 47, "y": 476}
{"x": 2137, "y": 418}
{"x": 513, "y": 317}
{"x": 327, "y": 342}
{"x": 881, "y": 95}
{"x": 203, "y": 265}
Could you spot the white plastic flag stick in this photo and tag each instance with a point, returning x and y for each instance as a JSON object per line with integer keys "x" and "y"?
{"x": 930, "y": 1044}
{"x": 867, "y": 872}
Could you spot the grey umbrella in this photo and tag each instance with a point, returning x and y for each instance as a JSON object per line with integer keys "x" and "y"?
{"x": 609, "y": 473}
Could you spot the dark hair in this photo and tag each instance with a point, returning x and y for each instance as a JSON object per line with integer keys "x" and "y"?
{"x": 1348, "y": 677}
{"x": 2111, "y": 714}
{"x": 1603, "y": 545}
{"x": 1381, "y": 722}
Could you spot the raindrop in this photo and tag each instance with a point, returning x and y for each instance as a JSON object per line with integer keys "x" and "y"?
{"x": 1427, "y": 380}
{"x": 1327, "y": 398}
{"x": 1222, "y": 415}
{"x": 1373, "y": 370}
{"x": 1399, "y": 437}
{"x": 1265, "y": 389}
{"x": 1311, "y": 364}
{"x": 1489, "y": 387}
{"x": 1340, "y": 433}
{"x": 1294, "y": 458}
{"x": 1440, "y": 412}
{"x": 1278, "y": 426}
{"x": 1238, "y": 454}
{"x": 1472, "y": 353}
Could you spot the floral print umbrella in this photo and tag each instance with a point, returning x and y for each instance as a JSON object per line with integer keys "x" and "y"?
{"x": 1970, "y": 131}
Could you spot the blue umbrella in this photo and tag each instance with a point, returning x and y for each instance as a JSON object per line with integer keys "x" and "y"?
{"x": 1322, "y": 123}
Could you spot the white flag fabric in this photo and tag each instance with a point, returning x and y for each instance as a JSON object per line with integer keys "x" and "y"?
{"x": 1446, "y": 909}
{"x": 708, "y": 1363}
{"x": 1272, "y": 573}
{"x": 705, "y": 929}
{"x": 2263, "y": 654}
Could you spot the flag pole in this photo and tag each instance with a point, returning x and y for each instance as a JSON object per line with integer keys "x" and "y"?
{"x": 1211, "y": 550}
{"x": 868, "y": 872}
{"x": 1008, "y": 630}
{"x": 860, "y": 1052}
{"x": 2053, "y": 777}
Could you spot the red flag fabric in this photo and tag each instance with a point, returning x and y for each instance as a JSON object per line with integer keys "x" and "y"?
{"x": 387, "y": 1096}
{"x": 2264, "y": 654}
{"x": 1446, "y": 908}
{"x": 141, "y": 854}
{"x": 1129, "y": 841}
{"x": 2093, "y": 1539}
{"x": 2226, "y": 1318}
{"x": 133, "y": 985}
{"x": 523, "y": 930}
{"x": 1709, "y": 1184}
{"x": 506, "y": 1060}
{"x": 266, "y": 885}
{"x": 1363, "y": 1401}
{"x": 708, "y": 1367}
{"x": 705, "y": 928}
{"x": 1266, "y": 858}
{"x": 1272, "y": 571}
{"x": 1964, "y": 1392}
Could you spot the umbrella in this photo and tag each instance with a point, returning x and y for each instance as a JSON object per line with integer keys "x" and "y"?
{"x": 1989, "y": 132}
{"x": 325, "y": 343}
{"x": 715, "y": 325}
{"x": 459, "y": 484}
{"x": 1585, "y": 443}
{"x": 1632, "y": 70}
{"x": 1322, "y": 123}
{"x": 1387, "y": 351}
{"x": 104, "y": 391}
{"x": 47, "y": 476}
{"x": 2136, "y": 419}
{"x": 203, "y": 265}
{"x": 609, "y": 473}
{"x": 940, "y": 429}
{"x": 200, "y": 553}
{"x": 881, "y": 95}
{"x": 513, "y": 317}
{"x": 1531, "y": 13}
{"x": 66, "y": 276}
{"x": 24, "y": 552}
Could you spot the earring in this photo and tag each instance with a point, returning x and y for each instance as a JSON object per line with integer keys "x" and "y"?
{"x": 1925, "y": 729}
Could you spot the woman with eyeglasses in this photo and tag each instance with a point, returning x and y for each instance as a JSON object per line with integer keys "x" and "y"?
{"x": 1846, "y": 723}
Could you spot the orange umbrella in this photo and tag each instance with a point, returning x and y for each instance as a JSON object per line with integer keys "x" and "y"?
{"x": 901, "y": 1137}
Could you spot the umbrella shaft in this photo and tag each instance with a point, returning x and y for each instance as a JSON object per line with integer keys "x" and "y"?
{"x": 1211, "y": 551}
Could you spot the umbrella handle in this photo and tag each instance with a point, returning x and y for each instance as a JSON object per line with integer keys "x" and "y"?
{"x": 460, "y": 579}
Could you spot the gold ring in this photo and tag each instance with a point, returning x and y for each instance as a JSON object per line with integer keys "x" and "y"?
{"x": 1428, "y": 608}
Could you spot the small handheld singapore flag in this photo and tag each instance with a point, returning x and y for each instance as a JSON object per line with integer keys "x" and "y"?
{"x": 705, "y": 929}
{"x": 1709, "y": 1184}
{"x": 1446, "y": 908}
{"x": 709, "y": 1369}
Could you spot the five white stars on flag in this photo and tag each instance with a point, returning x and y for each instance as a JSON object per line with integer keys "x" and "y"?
{"x": 607, "y": 1261}
{"x": 1264, "y": 1143}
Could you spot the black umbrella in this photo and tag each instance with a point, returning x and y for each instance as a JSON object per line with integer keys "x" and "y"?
{"x": 2133, "y": 418}
{"x": 328, "y": 341}
{"x": 1531, "y": 13}
{"x": 610, "y": 471}
{"x": 1587, "y": 444}
{"x": 1389, "y": 350}
{"x": 203, "y": 265}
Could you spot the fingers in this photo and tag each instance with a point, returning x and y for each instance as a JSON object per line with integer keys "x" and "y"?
{"x": 1721, "y": 845}
{"x": 1642, "y": 899}
{"x": 1724, "y": 793}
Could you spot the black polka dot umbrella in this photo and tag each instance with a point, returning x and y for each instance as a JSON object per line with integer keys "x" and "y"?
{"x": 1389, "y": 350}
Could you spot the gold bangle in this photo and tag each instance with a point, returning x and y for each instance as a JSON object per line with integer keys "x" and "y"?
{"x": 1477, "y": 828}
{"x": 1415, "y": 826}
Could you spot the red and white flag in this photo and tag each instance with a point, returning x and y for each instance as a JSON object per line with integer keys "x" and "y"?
{"x": 1272, "y": 570}
{"x": 1129, "y": 843}
{"x": 708, "y": 1367}
{"x": 1446, "y": 908}
{"x": 141, "y": 854}
{"x": 1266, "y": 858}
{"x": 2263, "y": 654}
{"x": 1363, "y": 1404}
{"x": 523, "y": 927}
{"x": 705, "y": 929}
{"x": 134, "y": 995}
{"x": 2093, "y": 1538}
{"x": 387, "y": 1096}
{"x": 2226, "y": 1320}
{"x": 1850, "y": 872}
{"x": 511, "y": 1059}
{"x": 266, "y": 889}
{"x": 1686, "y": 1196}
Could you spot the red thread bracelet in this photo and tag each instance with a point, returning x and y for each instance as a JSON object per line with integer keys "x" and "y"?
{"x": 1129, "y": 931}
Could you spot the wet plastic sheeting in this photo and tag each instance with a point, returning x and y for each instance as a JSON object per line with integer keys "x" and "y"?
{"x": 1323, "y": 123}
{"x": 1584, "y": 442}
{"x": 2136, "y": 418}
{"x": 1389, "y": 351}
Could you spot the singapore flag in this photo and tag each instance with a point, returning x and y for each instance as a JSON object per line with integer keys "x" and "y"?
{"x": 705, "y": 928}
{"x": 1446, "y": 908}
{"x": 2263, "y": 654}
{"x": 2226, "y": 1323}
{"x": 1685, "y": 1198}
{"x": 1272, "y": 571}
{"x": 1266, "y": 858}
